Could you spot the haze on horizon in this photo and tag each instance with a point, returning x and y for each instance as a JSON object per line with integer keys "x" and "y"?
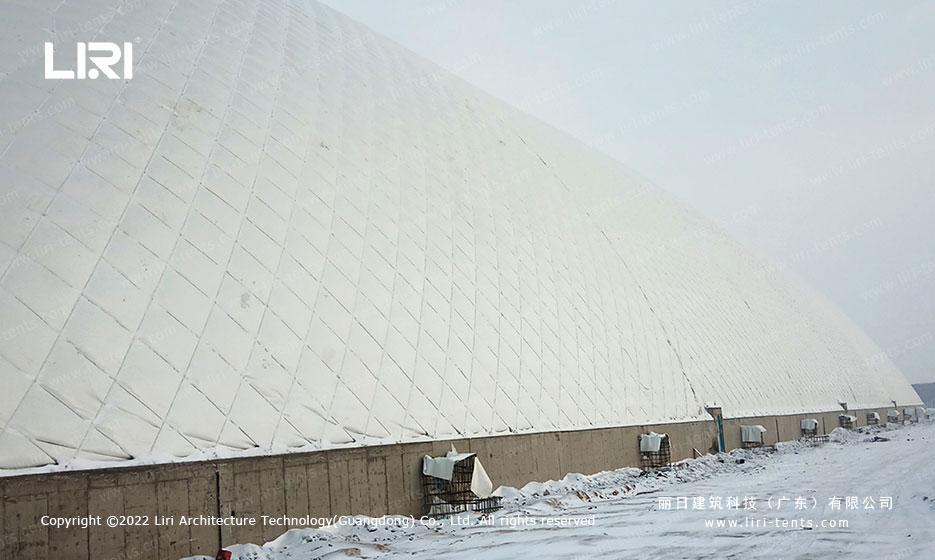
{"x": 805, "y": 130}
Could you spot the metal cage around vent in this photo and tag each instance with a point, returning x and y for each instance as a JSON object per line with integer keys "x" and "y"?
{"x": 650, "y": 460}
{"x": 441, "y": 498}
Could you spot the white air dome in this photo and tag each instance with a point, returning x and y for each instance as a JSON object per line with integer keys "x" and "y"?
{"x": 288, "y": 232}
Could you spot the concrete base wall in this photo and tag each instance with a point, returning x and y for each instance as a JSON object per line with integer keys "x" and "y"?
{"x": 372, "y": 480}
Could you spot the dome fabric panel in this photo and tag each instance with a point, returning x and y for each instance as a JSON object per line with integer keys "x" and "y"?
{"x": 288, "y": 232}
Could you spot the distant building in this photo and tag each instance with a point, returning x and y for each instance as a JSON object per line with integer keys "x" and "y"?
{"x": 927, "y": 392}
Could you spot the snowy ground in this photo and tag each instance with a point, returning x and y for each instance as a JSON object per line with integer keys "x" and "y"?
{"x": 621, "y": 514}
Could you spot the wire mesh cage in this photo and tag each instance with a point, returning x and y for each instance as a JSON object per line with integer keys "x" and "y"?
{"x": 650, "y": 460}
{"x": 809, "y": 427}
{"x": 751, "y": 436}
{"x": 441, "y": 498}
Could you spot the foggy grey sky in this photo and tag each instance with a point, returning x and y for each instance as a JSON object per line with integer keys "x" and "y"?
{"x": 807, "y": 130}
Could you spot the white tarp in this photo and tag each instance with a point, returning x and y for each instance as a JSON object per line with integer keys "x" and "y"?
{"x": 920, "y": 411}
{"x": 892, "y": 414}
{"x": 909, "y": 412}
{"x": 443, "y": 467}
{"x": 752, "y": 434}
{"x": 873, "y": 415}
{"x": 809, "y": 424}
{"x": 848, "y": 417}
{"x": 651, "y": 442}
{"x": 480, "y": 482}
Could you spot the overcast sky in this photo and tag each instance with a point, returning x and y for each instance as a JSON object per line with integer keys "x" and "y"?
{"x": 806, "y": 129}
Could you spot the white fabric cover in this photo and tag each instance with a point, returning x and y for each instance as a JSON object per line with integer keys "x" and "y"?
{"x": 443, "y": 467}
{"x": 874, "y": 415}
{"x": 892, "y": 414}
{"x": 481, "y": 484}
{"x": 849, "y": 417}
{"x": 651, "y": 442}
{"x": 752, "y": 434}
{"x": 809, "y": 424}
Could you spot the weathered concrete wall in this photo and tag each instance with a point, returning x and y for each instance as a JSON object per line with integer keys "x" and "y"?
{"x": 371, "y": 480}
